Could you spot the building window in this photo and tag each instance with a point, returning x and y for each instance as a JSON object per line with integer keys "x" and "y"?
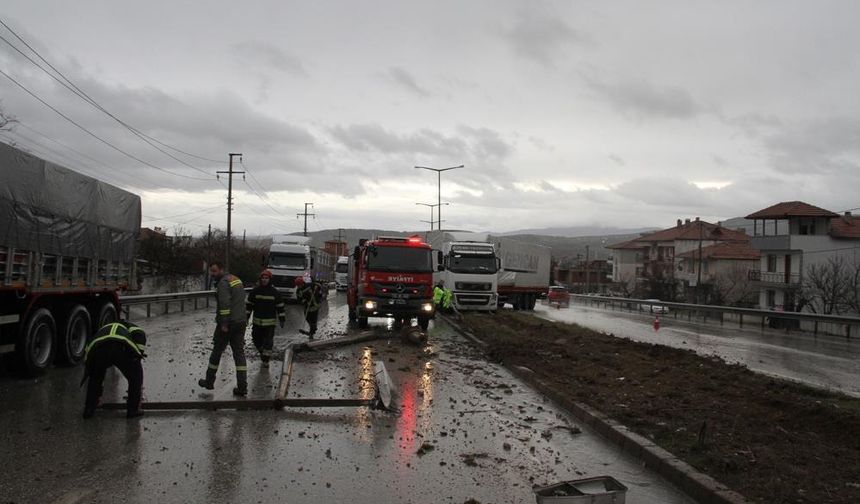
{"x": 771, "y": 263}
{"x": 771, "y": 298}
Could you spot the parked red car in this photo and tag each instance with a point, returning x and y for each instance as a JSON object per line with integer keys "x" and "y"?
{"x": 558, "y": 296}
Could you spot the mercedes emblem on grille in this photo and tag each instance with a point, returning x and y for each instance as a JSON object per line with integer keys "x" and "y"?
{"x": 399, "y": 288}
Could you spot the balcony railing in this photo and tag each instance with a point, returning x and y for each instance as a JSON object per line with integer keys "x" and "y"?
{"x": 774, "y": 277}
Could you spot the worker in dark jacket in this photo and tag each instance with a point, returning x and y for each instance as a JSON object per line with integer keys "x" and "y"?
{"x": 121, "y": 344}
{"x": 229, "y": 329}
{"x": 309, "y": 293}
{"x": 265, "y": 302}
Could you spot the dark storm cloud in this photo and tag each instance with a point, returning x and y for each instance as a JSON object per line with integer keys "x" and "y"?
{"x": 270, "y": 56}
{"x": 540, "y": 36}
{"x": 642, "y": 99}
{"x": 406, "y": 81}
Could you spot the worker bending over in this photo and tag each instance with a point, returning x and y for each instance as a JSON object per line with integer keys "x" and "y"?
{"x": 121, "y": 344}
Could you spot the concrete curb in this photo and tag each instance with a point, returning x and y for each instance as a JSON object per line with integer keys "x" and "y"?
{"x": 697, "y": 485}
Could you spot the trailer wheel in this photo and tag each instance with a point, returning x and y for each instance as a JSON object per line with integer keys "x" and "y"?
{"x": 423, "y": 323}
{"x": 532, "y": 301}
{"x": 362, "y": 322}
{"x": 37, "y": 342}
{"x": 73, "y": 335}
{"x": 105, "y": 314}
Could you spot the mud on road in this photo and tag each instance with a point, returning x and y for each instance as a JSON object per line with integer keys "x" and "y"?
{"x": 769, "y": 439}
{"x": 463, "y": 429}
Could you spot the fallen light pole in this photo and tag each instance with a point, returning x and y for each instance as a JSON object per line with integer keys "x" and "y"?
{"x": 381, "y": 381}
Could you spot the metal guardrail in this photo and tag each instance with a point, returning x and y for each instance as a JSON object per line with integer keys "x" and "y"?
{"x": 176, "y": 297}
{"x": 763, "y": 315}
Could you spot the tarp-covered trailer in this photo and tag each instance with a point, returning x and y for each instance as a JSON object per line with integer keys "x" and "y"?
{"x": 67, "y": 247}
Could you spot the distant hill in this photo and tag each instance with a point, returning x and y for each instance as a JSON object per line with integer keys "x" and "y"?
{"x": 578, "y": 231}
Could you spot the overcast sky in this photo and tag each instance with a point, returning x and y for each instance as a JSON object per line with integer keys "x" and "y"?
{"x": 564, "y": 113}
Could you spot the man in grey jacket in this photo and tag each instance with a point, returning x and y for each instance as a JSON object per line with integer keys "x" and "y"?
{"x": 229, "y": 330}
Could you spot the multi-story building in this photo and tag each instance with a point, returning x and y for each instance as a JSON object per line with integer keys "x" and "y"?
{"x": 792, "y": 237}
{"x": 647, "y": 265}
{"x": 722, "y": 271}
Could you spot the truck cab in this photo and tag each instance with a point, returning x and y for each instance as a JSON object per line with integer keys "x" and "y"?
{"x": 471, "y": 272}
{"x": 289, "y": 258}
{"x": 391, "y": 277}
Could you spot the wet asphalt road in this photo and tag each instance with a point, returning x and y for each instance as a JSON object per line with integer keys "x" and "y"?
{"x": 488, "y": 437}
{"x": 825, "y": 361}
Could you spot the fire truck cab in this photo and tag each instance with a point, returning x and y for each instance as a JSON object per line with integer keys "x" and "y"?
{"x": 391, "y": 277}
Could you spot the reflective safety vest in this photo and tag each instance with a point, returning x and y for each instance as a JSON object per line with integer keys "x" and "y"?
{"x": 438, "y": 294}
{"x": 127, "y": 333}
{"x": 447, "y": 297}
{"x": 311, "y": 296}
{"x": 231, "y": 300}
{"x": 267, "y": 306}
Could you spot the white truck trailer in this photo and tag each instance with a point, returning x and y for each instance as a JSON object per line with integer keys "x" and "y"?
{"x": 524, "y": 274}
{"x": 470, "y": 268}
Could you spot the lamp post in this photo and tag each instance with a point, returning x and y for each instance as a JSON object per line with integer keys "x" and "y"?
{"x": 439, "y": 186}
{"x": 432, "y": 206}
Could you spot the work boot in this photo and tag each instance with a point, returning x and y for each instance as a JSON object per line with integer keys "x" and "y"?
{"x": 134, "y": 414}
{"x": 88, "y": 413}
{"x": 208, "y": 385}
{"x": 240, "y": 391}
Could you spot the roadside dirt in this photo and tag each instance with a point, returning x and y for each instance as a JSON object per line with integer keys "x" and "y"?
{"x": 768, "y": 439}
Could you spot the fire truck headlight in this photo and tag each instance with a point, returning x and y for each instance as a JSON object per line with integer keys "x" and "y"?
{"x": 370, "y": 305}
{"x": 428, "y": 307}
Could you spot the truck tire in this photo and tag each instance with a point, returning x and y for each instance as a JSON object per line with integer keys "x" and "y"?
{"x": 350, "y": 314}
{"x": 517, "y": 302}
{"x": 105, "y": 313}
{"x": 423, "y": 323}
{"x": 532, "y": 301}
{"x": 362, "y": 322}
{"x": 37, "y": 343}
{"x": 74, "y": 332}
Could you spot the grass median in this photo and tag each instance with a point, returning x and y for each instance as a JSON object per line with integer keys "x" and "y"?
{"x": 769, "y": 439}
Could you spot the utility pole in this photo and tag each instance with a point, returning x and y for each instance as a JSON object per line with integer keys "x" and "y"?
{"x": 439, "y": 190}
{"x": 305, "y": 214}
{"x": 587, "y": 271}
{"x": 699, "y": 273}
{"x": 208, "y": 255}
{"x": 243, "y": 238}
{"x": 432, "y": 206}
{"x": 341, "y": 245}
{"x": 230, "y": 174}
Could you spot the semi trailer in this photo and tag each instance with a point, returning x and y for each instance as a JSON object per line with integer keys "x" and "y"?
{"x": 67, "y": 248}
{"x": 470, "y": 268}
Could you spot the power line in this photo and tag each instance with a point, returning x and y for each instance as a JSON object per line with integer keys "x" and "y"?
{"x": 97, "y": 174}
{"x": 100, "y": 139}
{"x": 71, "y": 86}
{"x": 199, "y": 210}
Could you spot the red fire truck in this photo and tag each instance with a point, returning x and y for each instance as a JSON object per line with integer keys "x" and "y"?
{"x": 391, "y": 277}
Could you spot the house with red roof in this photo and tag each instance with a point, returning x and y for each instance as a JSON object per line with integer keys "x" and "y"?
{"x": 794, "y": 236}
{"x": 652, "y": 265}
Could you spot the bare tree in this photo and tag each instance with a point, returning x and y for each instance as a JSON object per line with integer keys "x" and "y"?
{"x": 852, "y": 292}
{"x": 733, "y": 287}
{"x": 826, "y": 286}
{"x": 626, "y": 284}
{"x": 7, "y": 120}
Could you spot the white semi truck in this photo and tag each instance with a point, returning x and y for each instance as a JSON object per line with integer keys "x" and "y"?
{"x": 341, "y": 273}
{"x": 470, "y": 268}
{"x": 290, "y": 257}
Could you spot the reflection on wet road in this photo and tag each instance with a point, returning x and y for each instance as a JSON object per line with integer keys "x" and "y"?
{"x": 831, "y": 362}
{"x": 464, "y": 429}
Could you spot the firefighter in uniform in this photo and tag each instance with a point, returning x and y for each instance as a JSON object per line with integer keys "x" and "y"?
{"x": 447, "y": 299}
{"x": 229, "y": 329}
{"x": 121, "y": 344}
{"x": 438, "y": 295}
{"x": 265, "y": 302}
{"x": 309, "y": 293}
